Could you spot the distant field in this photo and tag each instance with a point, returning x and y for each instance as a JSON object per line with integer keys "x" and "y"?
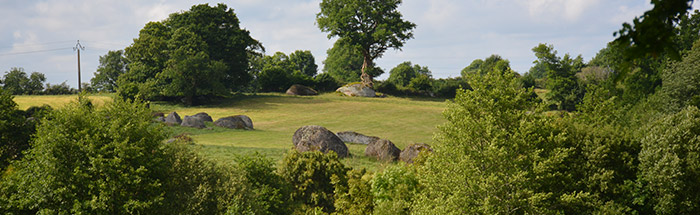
{"x": 277, "y": 116}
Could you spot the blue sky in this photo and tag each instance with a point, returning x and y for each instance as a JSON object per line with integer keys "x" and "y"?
{"x": 38, "y": 35}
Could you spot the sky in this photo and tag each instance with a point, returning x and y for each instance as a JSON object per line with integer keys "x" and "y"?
{"x": 40, "y": 35}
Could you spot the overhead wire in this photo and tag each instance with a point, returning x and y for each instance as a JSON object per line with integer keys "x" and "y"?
{"x": 35, "y": 51}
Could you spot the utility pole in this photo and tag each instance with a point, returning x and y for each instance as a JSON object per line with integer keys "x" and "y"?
{"x": 78, "y": 47}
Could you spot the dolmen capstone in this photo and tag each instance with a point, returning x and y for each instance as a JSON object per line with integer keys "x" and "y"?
{"x": 354, "y": 137}
{"x": 383, "y": 150}
{"x": 173, "y": 119}
{"x": 412, "y": 151}
{"x": 235, "y": 122}
{"x": 301, "y": 90}
{"x": 318, "y": 138}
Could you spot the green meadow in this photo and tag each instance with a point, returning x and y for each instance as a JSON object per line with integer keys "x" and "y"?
{"x": 276, "y": 116}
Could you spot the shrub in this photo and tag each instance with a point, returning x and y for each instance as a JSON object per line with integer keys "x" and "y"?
{"x": 393, "y": 189}
{"x": 272, "y": 191}
{"x": 324, "y": 82}
{"x": 312, "y": 176}
{"x": 15, "y": 130}
{"x": 356, "y": 197}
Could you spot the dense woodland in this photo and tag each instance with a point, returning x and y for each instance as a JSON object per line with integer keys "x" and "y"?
{"x": 619, "y": 134}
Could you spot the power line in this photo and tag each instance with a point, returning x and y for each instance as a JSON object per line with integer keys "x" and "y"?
{"x": 37, "y": 44}
{"x": 29, "y": 52}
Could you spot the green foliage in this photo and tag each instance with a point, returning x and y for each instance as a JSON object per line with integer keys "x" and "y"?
{"x": 271, "y": 190}
{"x": 313, "y": 176}
{"x": 324, "y": 82}
{"x": 402, "y": 74}
{"x": 491, "y": 63}
{"x": 484, "y": 153}
{"x": 681, "y": 81}
{"x": 15, "y": 131}
{"x": 372, "y": 26}
{"x": 565, "y": 91}
{"x": 59, "y": 89}
{"x": 304, "y": 62}
{"x": 82, "y": 163}
{"x": 393, "y": 189}
{"x": 16, "y": 82}
{"x": 421, "y": 83}
{"x": 355, "y": 198}
{"x": 112, "y": 65}
{"x": 670, "y": 164}
{"x": 447, "y": 88}
{"x": 200, "y": 52}
{"x": 344, "y": 62}
{"x": 652, "y": 34}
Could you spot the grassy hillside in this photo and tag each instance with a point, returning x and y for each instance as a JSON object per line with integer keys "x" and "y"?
{"x": 277, "y": 116}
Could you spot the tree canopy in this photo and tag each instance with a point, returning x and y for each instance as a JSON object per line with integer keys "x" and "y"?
{"x": 112, "y": 65}
{"x": 344, "y": 62}
{"x": 195, "y": 53}
{"x": 374, "y": 26}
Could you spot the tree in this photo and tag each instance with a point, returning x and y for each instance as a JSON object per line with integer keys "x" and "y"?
{"x": 35, "y": 85}
{"x": 225, "y": 49}
{"x": 481, "y": 67}
{"x": 344, "y": 62}
{"x": 304, "y": 62}
{"x": 374, "y": 26}
{"x": 402, "y": 74}
{"x": 15, "y": 81}
{"x": 565, "y": 91}
{"x": 669, "y": 165}
{"x": 190, "y": 72}
{"x": 112, "y": 65}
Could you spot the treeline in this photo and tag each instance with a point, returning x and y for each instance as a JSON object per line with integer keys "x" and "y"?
{"x": 16, "y": 82}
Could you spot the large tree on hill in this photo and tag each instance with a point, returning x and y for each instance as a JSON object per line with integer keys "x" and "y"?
{"x": 218, "y": 58}
{"x": 374, "y": 26}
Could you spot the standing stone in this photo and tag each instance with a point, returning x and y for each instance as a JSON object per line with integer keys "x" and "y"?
{"x": 412, "y": 151}
{"x": 383, "y": 150}
{"x": 193, "y": 121}
{"x": 317, "y": 138}
{"x": 173, "y": 119}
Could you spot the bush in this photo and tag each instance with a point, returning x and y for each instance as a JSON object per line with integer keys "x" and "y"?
{"x": 393, "y": 189}
{"x": 271, "y": 190}
{"x": 324, "y": 82}
{"x": 356, "y": 197}
{"x": 313, "y": 176}
{"x": 81, "y": 163}
{"x": 15, "y": 130}
{"x": 59, "y": 89}
{"x": 274, "y": 79}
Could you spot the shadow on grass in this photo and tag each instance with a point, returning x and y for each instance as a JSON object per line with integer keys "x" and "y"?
{"x": 249, "y": 101}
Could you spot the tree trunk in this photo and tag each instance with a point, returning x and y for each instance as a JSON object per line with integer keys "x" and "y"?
{"x": 364, "y": 77}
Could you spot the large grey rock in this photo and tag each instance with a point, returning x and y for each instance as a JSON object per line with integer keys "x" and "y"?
{"x": 383, "y": 150}
{"x": 412, "y": 151}
{"x": 159, "y": 119}
{"x": 301, "y": 90}
{"x": 235, "y": 122}
{"x": 193, "y": 121}
{"x": 173, "y": 119}
{"x": 354, "y": 137}
{"x": 357, "y": 90}
{"x": 317, "y": 138}
{"x": 204, "y": 116}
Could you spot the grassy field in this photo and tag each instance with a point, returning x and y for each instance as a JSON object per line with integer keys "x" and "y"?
{"x": 277, "y": 116}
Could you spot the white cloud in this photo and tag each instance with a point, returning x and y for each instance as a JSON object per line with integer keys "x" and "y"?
{"x": 570, "y": 10}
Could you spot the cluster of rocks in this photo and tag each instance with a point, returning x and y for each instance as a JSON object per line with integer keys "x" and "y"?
{"x": 198, "y": 121}
{"x": 318, "y": 138}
